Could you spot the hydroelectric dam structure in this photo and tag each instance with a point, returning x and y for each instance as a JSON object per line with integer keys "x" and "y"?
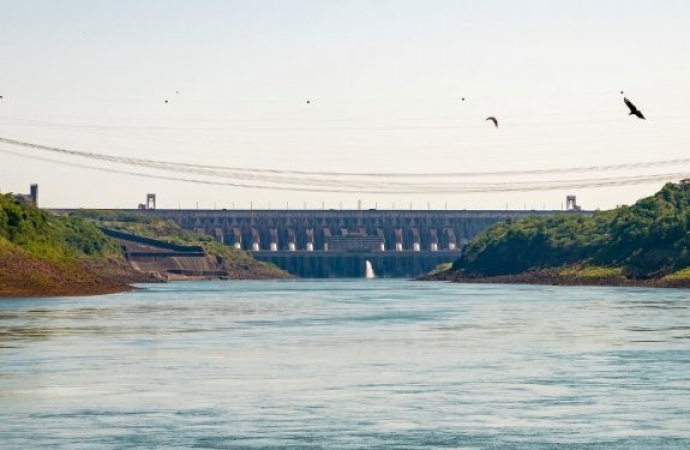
{"x": 338, "y": 243}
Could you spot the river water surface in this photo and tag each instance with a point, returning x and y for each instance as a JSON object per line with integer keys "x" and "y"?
{"x": 347, "y": 364}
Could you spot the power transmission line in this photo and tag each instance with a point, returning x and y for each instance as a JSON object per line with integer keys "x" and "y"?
{"x": 166, "y": 165}
{"x": 333, "y": 182}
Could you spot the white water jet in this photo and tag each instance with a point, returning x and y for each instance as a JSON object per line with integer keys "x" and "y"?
{"x": 369, "y": 271}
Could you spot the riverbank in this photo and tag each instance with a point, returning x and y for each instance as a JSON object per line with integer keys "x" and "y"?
{"x": 25, "y": 275}
{"x": 44, "y": 255}
{"x": 554, "y": 277}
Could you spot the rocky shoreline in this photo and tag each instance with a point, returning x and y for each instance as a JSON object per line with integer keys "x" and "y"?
{"x": 551, "y": 278}
{"x": 23, "y": 275}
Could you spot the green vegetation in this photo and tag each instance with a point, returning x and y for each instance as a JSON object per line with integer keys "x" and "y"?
{"x": 680, "y": 275}
{"x": 45, "y": 255}
{"x": 167, "y": 230}
{"x": 591, "y": 272}
{"x": 48, "y": 236}
{"x": 441, "y": 268}
{"x": 647, "y": 240}
{"x": 142, "y": 225}
{"x": 42, "y": 254}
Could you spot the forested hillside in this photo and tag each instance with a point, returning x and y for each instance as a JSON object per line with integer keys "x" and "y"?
{"x": 49, "y": 236}
{"x": 43, "y": 254}
{"x": 644, "y": 241}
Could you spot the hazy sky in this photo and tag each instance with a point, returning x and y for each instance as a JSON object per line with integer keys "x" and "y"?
{"x": 385, "y": 81}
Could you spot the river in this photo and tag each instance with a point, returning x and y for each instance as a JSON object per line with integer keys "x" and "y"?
{"x": 347, "y": 364}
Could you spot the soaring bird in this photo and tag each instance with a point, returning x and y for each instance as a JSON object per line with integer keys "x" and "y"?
{"x": 633, "y": 109}
{"x": 493, "y": 119}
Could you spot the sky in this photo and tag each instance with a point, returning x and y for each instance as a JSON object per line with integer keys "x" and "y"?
{"x": 343, "y": 104}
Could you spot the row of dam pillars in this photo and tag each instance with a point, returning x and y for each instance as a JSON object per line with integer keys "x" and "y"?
{"x": 409, "y": 239}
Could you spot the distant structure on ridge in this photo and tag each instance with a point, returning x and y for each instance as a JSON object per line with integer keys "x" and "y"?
{"x": 29, "y": 199}
{"x": 571, "y": 204}
{"x": 150, "y": 202}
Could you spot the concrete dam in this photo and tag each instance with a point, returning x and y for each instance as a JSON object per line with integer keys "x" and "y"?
{"x": 338, "y": 243}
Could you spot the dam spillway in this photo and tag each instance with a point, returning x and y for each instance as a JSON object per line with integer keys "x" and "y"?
{"x": 336, "y": 243}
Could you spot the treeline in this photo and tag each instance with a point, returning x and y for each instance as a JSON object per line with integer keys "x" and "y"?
{"x": 646, "y": 240}
{"x": 49, "y": 236}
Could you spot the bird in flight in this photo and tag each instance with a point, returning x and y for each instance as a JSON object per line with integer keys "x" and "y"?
{"x": 633, "y": 109}
{"x": 493, "y": 119}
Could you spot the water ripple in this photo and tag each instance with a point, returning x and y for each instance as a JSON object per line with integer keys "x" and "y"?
{"x": 347, "y": 364}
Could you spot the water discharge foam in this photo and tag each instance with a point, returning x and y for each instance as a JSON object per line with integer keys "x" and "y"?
{"x": 369, "y": 270}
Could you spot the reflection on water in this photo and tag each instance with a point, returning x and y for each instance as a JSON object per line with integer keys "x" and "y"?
{"x": 347, "y": 364}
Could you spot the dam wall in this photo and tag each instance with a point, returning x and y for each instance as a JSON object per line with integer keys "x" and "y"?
{"x": 337, "y": 243}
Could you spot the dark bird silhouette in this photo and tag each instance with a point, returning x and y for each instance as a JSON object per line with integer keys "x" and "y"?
{"x": 493, "y": 119}
{"x": 633, "y": 109}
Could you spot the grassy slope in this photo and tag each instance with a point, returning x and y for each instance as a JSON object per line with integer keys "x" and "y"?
{"x": 238, "y": 263}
